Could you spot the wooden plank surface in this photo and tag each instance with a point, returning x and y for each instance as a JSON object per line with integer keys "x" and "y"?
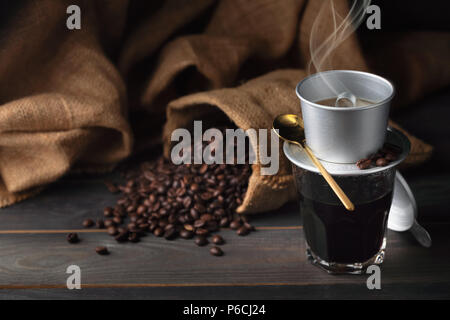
{"x": 269, "y": 263}
{"x": 341, "y": 291}
{"x": 273, "y": 259}
{"x": 265, "y": 257}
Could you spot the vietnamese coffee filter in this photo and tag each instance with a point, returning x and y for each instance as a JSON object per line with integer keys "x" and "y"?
{"x": 345, "y": 134}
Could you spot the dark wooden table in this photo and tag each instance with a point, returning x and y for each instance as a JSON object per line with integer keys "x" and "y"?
{"x": 269, "y": 263}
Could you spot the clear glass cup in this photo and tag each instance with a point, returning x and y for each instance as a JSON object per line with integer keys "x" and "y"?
{"x": 338, "y": 240}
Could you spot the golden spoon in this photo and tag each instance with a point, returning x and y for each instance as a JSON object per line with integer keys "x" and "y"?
{"x": 289, "y": 127}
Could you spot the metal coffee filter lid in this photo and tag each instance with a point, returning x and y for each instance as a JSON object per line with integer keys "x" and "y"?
{"x": 299, "y": 157}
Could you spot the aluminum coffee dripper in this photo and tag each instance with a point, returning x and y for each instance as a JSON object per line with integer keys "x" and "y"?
{"x": 345, "y": 134}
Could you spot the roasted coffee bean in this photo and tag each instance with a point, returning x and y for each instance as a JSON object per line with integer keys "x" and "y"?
{"x": 108, "y": 212}
{"x": 215, "y": 205}
{"x": 201, "y": 232}
{"x": 249, "y": 226}
{"x": 131, "y": 225}
{"x": 111, "y": 187}
{"x": 88, "y": 223}
{"x": 235, "y": 224}
{"x": 119, "y": 212}
{"x": 180, "y": 192}
{"x": 141, "y": 209}
{"x": 216, "y": 239}
{"x": 133, "y": 237}
{"x": 140, "y": 221}
{"x": 216, "y": 251}
{"x": 188, "y": 227}
{"x": 143, "y": 226}
{"x": 73, "y": 238}
{"x": 187, "y": 202}
{"x": 170, "y": 234}
{"x": 201, "y": 241}
{"x": 169, "y": 226}
{"x": 162, "y": 223}
{"x": 117, "y": 220}
{"x": 199, "y": 223}
{"x": 219, "y": 212}
{"x": 364, "y": 164}
{"x": 194, "y": 214}
{"x": 242, "y": 231}
{"x": 122, "y": 236}
{"x": 199, "y": 207}
{"x": 159, "y": 232}
{"x": 186, "y": 234}
{"x": 391, "y": 156}
{"x": 381, "y": 162}
{"x": 207, "y": 217}
{"x": 102, "y": 250}
{"x": 100, "y": 224}
{"x": 112, "y": 231}
{"x": 156, "y": 206}
{"x": 224, "y": 222}
{"x": 152, "y": 198}
{"x": 206, "y": 196}
{"x": 203, "y": 169}
{"x": 152, "y": 226}
{"x": 108, "y": 223}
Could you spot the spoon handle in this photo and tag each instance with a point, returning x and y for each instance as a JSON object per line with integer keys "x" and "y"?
{"x": 421, "y": 235}
{"x": 337, "y": 190}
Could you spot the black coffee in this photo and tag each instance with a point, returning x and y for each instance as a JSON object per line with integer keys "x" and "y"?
{"x": 337, "y": 235}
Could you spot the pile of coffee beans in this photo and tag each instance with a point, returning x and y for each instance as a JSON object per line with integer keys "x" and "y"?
{"x": 382, "y": 158}
{"x": 188, "y": 201}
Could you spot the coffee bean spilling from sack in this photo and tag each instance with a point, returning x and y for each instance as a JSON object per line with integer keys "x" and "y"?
{"x": 189, "y": 201}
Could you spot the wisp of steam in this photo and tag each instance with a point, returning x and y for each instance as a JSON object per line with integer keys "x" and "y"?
{"x": 343, "y": 27}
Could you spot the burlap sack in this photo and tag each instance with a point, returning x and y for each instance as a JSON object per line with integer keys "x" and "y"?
{"x": 63, "y": 103}
{"x": 79, "y": 100}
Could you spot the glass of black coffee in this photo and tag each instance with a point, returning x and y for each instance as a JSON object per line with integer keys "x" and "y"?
{"x": 338, "y": 240}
